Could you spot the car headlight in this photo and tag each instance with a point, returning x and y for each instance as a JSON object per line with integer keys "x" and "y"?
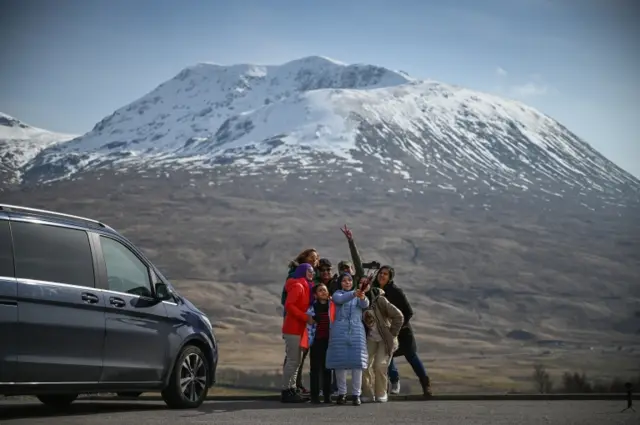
{"x": 206, "y": 320}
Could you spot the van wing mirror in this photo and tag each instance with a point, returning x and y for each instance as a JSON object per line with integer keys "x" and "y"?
{"x": 161, "y": 290}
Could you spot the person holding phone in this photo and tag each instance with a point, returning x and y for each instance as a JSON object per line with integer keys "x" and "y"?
{"x": 347, "y": 339}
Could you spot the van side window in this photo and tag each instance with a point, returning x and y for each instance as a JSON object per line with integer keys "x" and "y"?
{"x": 125, "y": 272}
{"x": 6, "y": 252}
{"x": 52, "y": 253}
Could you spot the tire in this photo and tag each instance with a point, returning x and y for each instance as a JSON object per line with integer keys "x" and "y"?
{"x": 57, "y": 401}
{"x": 129, "y": 394}
{"x": 191, "y": 395}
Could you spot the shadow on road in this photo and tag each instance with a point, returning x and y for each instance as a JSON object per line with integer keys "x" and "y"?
{"x": 36, "y": 410}
{"x": 234, "y": 406}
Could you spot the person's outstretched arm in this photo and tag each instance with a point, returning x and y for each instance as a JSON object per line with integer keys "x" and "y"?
{"x": 355, "y": 255}
{"x": 341, "y": 297}
{"x": 363, "y": 303}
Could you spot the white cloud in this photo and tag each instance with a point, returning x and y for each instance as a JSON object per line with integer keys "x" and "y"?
{"x": 529, "y": 89}
{"x": 534, "y": 85}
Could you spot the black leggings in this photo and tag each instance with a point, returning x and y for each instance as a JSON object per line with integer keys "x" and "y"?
{"x": 320, "y": 375}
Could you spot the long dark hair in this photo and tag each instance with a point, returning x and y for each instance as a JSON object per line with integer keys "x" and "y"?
{"x": 392, "y": 274}
{"x": 304, "y": 256}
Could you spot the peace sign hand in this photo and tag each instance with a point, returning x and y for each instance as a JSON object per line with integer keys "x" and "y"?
{"x": 347, "y": 232}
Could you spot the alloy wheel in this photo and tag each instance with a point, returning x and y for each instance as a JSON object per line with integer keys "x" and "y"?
{"x": 193, "y": 377}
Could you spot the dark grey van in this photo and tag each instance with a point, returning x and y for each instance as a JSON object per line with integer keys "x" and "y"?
{"x": 82, "y": 310}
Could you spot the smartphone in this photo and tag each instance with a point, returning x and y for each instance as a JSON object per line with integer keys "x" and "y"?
{"x": 364, "y": 286}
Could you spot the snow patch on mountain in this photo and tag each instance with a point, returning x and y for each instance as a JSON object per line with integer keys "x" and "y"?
{"x": 202, "y": 97}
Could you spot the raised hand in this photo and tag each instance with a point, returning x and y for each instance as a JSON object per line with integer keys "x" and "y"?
{"x": 347, "y": 232}
{"x": 365, "y": 284}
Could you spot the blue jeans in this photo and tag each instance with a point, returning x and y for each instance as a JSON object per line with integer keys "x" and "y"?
{"x": 416, "y": 365}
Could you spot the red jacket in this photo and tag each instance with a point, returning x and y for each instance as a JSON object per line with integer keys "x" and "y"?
{"x": 296, "y": 306}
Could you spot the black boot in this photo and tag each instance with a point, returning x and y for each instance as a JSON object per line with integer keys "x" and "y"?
{"x": 291, "y": 396}
{"x": 342, "y": 399}
{"x": 425, "y": 382}
{"x": 355, "y": 400}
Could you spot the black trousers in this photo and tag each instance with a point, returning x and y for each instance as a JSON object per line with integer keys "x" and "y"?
{"x": 320, "y": 375}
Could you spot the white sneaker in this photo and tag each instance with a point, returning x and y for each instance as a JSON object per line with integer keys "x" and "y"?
{"x": 366, "y": 399}
{"x": 395, "y": 388}
{"x": 382, "y": 399}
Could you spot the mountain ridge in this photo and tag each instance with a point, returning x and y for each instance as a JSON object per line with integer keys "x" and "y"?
{"x": 246, "y": 116}
{"x": 20, "y": 143}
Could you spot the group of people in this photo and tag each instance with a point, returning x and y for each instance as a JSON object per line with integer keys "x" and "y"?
{"x": 346, "y": 321}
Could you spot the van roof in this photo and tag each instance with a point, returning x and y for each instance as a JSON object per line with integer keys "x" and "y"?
{"x": 54, "y": 216}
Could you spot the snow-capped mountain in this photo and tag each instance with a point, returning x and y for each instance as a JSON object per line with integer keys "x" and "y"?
{"x": 495, "y": 216}
{"x": 19, "y": 143}
{"x": 314, "y": 113}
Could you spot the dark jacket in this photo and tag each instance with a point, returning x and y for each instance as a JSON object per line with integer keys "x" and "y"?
{"x": 357, "y": 265}
{"x": 406, "y": 341}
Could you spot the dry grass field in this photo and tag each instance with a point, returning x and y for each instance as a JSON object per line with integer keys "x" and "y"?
{"x": 494, "y": 289}
{"x": 459, "y": 357}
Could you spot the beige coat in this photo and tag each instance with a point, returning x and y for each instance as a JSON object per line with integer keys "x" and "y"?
{"x": 386, "y": 317}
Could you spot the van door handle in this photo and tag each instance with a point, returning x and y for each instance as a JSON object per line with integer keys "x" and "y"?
{"x": 89, "y": 298}
{"x": 117, "y": 302}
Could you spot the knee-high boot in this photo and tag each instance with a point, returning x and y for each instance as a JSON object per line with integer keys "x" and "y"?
{"x": 426, "y": 386}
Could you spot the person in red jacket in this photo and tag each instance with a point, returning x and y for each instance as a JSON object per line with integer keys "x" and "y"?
{"x": 299, "y": 290}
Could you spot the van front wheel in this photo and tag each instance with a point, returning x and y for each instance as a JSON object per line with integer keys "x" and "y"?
{"x": 189, "y": 383}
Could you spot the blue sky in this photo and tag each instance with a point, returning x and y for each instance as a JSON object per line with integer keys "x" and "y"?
{"x": 67, "y": 64}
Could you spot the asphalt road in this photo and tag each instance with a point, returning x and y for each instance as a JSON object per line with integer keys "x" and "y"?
{"x": 271, "y": 412}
